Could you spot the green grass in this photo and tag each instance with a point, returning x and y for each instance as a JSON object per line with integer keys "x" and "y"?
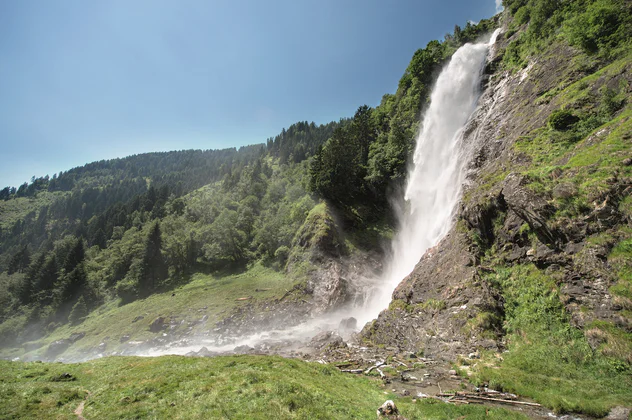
{"x": 204, "y": 295}
{"x": 17, "y": 208}
{"x": 548, "y": 359}
{"x": 235, "y": 387}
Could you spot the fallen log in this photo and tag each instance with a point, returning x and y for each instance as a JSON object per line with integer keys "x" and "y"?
{"x": 366, "y": 372}
{"x": 464, "y": 396}
{"x": 506, "y": 401}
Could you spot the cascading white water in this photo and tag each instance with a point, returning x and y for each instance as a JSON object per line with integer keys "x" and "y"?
{"x": 432, "y": 193}
{"x": 437, "y": 174}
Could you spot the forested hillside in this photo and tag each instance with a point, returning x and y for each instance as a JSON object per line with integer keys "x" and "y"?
{"x": 127, "y": 228}
{"x": 530, "y": 291}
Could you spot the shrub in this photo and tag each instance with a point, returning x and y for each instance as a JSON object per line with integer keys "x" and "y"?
{"x": 562, "y": 120}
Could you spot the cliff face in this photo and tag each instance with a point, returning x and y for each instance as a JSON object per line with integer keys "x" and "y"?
{"x": 543, "y": 201}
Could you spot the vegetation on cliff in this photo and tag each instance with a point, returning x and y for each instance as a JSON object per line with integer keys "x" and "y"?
{"x": 545, "y": 229}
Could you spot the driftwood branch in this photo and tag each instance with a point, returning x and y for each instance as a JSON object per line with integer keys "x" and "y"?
{"x": 465, "y": 396}
{"x": 352, "y": 370}
{"x": 377, "y": 365}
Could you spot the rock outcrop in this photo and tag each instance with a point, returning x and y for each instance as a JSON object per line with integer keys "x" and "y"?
{"x": 445, "y": 307}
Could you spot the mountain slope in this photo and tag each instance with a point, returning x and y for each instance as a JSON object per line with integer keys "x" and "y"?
{"x": 535, "y": 272}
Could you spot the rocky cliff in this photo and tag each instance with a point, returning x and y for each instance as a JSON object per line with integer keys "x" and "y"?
{"x": 546, "y": 207}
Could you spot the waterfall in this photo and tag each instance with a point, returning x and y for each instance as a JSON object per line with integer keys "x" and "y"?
{"x": 436, "y": 176}
{"x": 425, "y": 216}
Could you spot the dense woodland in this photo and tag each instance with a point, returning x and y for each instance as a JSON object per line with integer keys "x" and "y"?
{"x": 126, "y": 228}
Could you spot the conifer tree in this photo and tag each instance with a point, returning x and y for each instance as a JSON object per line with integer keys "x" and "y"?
{"x": 153, "y": 268}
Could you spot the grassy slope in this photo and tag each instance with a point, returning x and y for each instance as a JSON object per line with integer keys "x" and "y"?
{"x": 548, "y": 359}
{"x": 236, "y": 387}
{"x": 17, "y": 208}
{"x": 204, "y": 295}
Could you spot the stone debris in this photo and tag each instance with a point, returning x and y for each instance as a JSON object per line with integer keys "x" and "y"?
{"x": 387, "y": 409}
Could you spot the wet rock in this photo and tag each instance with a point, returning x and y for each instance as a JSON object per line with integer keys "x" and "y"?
{"x": 348, "y": 325}
{"x": 457, "y": 293}
{"x": 138, "y": 318}
{"x": 57, "y": 347}
{"x": 327, "y": 338}
{"x": 157, "y": 325}
{"x": 243, "y": 349}
{"x": 76, "y": 336}
{"x": 204, "y": 352}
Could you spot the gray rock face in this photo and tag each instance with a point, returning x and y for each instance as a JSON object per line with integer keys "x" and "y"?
{"x": 444, "y": 305}
{"x": 433, "y": 304}
{"x": 531, "y": 208}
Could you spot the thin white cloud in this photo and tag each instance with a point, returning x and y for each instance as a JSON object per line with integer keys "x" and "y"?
{"x": 499, "y": 6}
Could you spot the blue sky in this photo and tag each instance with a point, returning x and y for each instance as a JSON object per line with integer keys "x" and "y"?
{"x": 87, "y": 80}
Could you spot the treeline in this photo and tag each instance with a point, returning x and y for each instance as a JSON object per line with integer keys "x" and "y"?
{"x": 127, "y": 228}
{"x": 183, "y": 170}
{"x": 301, "y": 140}
{"x": 364, "y": 158}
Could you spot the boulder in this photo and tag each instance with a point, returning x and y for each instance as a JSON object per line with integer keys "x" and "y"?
{"x": 348, "y": 325}
{"x": 76, "y": 336}
{"x": 243, "y": 349}
{"x": 619, "y": 413}
{"x": 387, "y": 409}
{"x": 564, "y": 190}
{"x": 57, "y": 347}
{"x": 157, "y": 325}
{"x": 327, "y": 338}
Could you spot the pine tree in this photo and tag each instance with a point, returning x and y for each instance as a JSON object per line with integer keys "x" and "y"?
{"x": 153, "y": 268}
